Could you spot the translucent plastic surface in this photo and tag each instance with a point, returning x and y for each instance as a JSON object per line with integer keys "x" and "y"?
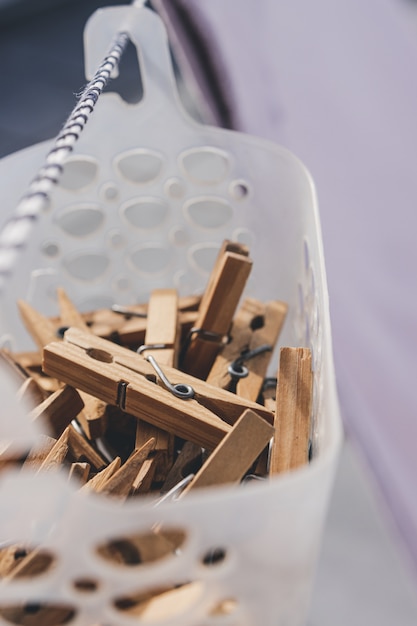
{"x": 147, "y": 199}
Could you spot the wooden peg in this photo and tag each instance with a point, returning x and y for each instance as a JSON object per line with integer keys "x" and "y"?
{"x": 256, "y": 324}
{"x": 93, "y": 417}
{"x": 121, "y": 482}
{"x": 218, "y": 304}
{"x": 162, "y": 604}
{"x": 79, "y": 472}
{"x": 99, "y": 480}
{"x": 81, "y": 450}
{"x": 145, "y": 476}
{"x": 94, "y": 364}
{"x": 59, "y": 409}
{"x": 39, "y": 452}
{"x": 40, "y": 328}
{"x": 57, "y": 454}
{"x": 9, "y": 559}
{"x": 188, "y": 461}
{"x": 162, "y": 326}
{"x": 68, "y": 312}
{"x": 34, "y": 563}
{"x": 235, "y": 454}
{"x": 164, "y": 447}
{"x": 162, "y": 329}
{"x": 293, "y": 410}
{"x": 129, "y": 330}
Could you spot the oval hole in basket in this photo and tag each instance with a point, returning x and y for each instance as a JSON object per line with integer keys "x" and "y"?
{"x": 20, "y": 561}
{"x": 37, "y": 614}
{"x": 139, "y": 166}
{"x": 81, "y": 221}
{"x": 150, "y": 259}
{"x": 142, "y": 548}
{"x": 205, "y": 165}
{"x": 145, "y": 213}
{"x": 202, "y": 256}
{"x": 86, "y": 266}
{"x": 161, "y": 603}
{"x": 78, "y": 172}
{"x": 209, "y": 212}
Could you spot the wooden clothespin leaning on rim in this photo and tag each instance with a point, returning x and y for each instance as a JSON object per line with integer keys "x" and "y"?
{"x": 180, "y": 403}
{"x": 293, "y": 410}
{"x": 218, "y": 305}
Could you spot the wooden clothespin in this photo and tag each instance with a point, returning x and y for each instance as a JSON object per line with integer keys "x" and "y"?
{"x": 243, "y": 362}
{"x": 79, "y": 472}
{"x": 120, "y": 377}
{"x": 218, "y": 304}
{"x": 235, "y": 454}
{"x": 93, "y": 417}
{"x": 127, "y": 325}
{"x": 162, "y": 336}
{"x": 57, "y": 453}
{"x": 43, "y": 331}
{"x": 81, "y": 450}
{"x": 188, "y": 461}
{"x": 99, "y": 480}
{"x": 162, "y": 604}
{"x": 120, "y": 484}
{"x": 293, "y": 410}
{"x": 59, "y": 409}
{"x": 39, "y": 452}
{"x": 162, "y": 332}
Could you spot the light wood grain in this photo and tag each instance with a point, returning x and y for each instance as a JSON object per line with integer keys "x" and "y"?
{"x": 293, "y": 410}
{"x": 236, "y": 453}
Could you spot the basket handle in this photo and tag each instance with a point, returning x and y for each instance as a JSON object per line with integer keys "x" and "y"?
{"x": 147, "y": 32}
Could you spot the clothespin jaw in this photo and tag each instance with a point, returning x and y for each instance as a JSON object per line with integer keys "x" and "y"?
{"x": 120, "y": 377}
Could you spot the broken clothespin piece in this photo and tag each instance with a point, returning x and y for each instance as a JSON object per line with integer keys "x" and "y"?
{"x": 293, "y": 410}
{"x": 243, "y": 362}
{"x": 218, "y": 304}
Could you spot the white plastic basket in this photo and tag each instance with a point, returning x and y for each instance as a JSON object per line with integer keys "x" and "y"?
{"x": 147, "y": 197}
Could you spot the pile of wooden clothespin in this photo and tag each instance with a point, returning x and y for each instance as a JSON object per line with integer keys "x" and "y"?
{"x": 165, "y": 397}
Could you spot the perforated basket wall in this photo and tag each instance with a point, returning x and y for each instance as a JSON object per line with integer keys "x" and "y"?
{"x": 146, "y": 199}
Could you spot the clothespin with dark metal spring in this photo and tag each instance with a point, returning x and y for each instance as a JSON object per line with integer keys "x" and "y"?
{"x": 161, "y": 341}
{"x": 242, "y": 364}
{"x": 218, "y": 304}
{"x": 121, "y": 377}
